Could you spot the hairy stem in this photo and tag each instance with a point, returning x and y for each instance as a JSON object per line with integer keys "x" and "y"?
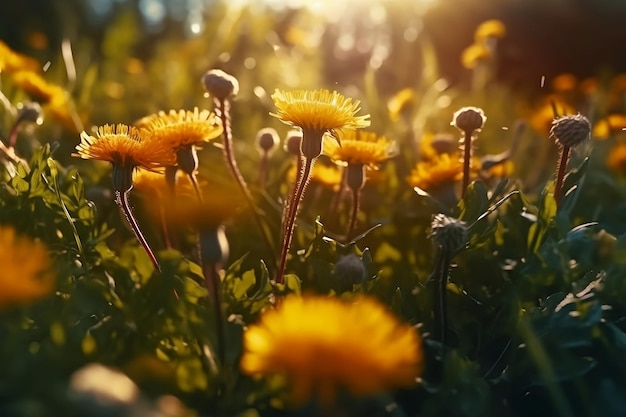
{"x": 223, "y": 111}
{"x": 121, "y": 198}
{"x": 290, "y": 219}
{"x": 467, "y": 155}
{"x": 560, "y": 176}
{"x": 356, "y": 202}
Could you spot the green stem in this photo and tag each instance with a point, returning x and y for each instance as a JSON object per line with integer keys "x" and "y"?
{"x": 440, "y": 306}
{"x": 467, "y": 155}
{"x": 290, "y": 219}
{"x": 121, "y": 198}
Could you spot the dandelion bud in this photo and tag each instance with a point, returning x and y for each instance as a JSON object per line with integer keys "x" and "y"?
{"x": 469, "y": 119}
{"x": 220, "y": 84}
{"x": 570, "y": 131}
{"x": 29, "y": 112}
{"x": 293, "y": 141}
{"x": 267, "y": 139}
{"x": 448, "y": 232}
{"x": 214, "y": 245}
{"x": 349, "y": 270}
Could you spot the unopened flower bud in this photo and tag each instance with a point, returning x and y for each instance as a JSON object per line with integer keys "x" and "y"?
{"x": 29, "y": 112}
{"x": 449, "y": 233}
{"x": 187, "y": 159}
{"x": 469, "y": 119}
{"x": 267, "y": 139}
{"x": 570, "y": 131}
{"x": 220, "y": 84}
{"x": 292, "y": 142}
{"x": 349, "y": 270}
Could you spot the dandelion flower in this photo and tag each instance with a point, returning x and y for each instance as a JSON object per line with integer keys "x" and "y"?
{"x": 400, "y": 101}
{"x": 442, "y": 169}
{"x": 11, "y": 61}
{"x": 360, "y": 147}
{"x": 27, "y": 272}
{"x": 475, "y": 54}
{"x": 124, "y": 148}
{"x": 177, "y": 129}
{"x": 492, "y": 28}
{"x": 616, "y": 160}
{"x": 564, "y": 83}
{"x": 37, "y": 87}
{"x": 322, "y": 344}
{"x": 329, "y": 176}
{"x": 318, "y": 110}
{"x": 611, "y": 124}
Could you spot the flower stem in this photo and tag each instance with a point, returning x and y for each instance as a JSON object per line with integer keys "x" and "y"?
{"x": 356, "y": 202}
{"x": 560, "y": 176}
{"x": 440, "y": 306}
{"x": 164, "y": 228}
{"x": 121, "y": 198}
{"x": 467, "y": 155}
{"x": 223, "y": 111}
{"x": 196, "y": 187}
{"x": 290, "y": 219}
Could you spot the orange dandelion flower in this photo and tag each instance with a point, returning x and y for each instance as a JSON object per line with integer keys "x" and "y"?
{"x": 475, "y": 54}
{"x": 489, "y": 29}
{"x": 442, "y": 169}
{"x": 616, "y": 160}
{"x": 608, "y": 126}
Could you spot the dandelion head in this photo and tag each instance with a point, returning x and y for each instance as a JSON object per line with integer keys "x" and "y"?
{"x": 492, "y": 28}
{"x": 220, "y": 84}
{"x": 180, "y": 128}
{"x": 267, "y": 139}
{"x": 441, "y": 170}
{"x": 322, "y": 344}
{"x": 27, "y": 269}
{"x": 359, "y": 147}
{"x": 449, "y": 233}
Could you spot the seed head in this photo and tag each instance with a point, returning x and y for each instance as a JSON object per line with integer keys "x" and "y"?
{"x": 570, "y": 130}
{"x": 448, "y": 232}
{"x": 469, "y": 119}
{"x": 220, "y": 84}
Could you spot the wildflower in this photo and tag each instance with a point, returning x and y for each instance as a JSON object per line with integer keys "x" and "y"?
{"x": 317, "y": 112}
{"x": 11, "y": 61}
{"x": 27, "y": 271}
{"x": 360, "y": 147}
{"x": 124, "y": 148}
{"x": 609, "y": 125}
{"x": 37, "y": 87}
{"x": 220, "y": 84}
{"x": 432, "y": 145}
{"x": 469, "y": 119}
{"x": 399, "y": 102}
{"x": 179, "y": 128}
{"x": 489, "y": 29}
{"x": 323, "y": 343}
{"x": 563, "y": 83}
{"x": 329, "y": 176}
{"x": 616, "y": 159}
{"x": 442, "y": 169}
{"x": 475, "y": 54}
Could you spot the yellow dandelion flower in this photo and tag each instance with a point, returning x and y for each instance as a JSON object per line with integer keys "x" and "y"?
{"x": 323, "y": 343}
{"x": 359, "y": 147}
{"x": 432, "y": 145}
{"x": 563, "y": 83}
{"x": 150, "y": 183}
{"x": 589, "y": 86}
{"x": 399, "y": 102}
{"x": 489, "y": 29}
{"x": 124, "y": 148}
{"x": 541, "y": 118}
{"x": 179, "y": 128}
{"x": 475, "y": 54}
{"x": 318, "y": 110}
{"x": 38, "y": 88}
{"x": 27, "y": 271}
{"x": 11, "y": 61}
{"x": 616, "y": 160}
{"x": 329, "y": 176}
{"x": 609, "y": 125}
{"x": 442, "y": 169}
{"x": 502, "y": 170}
